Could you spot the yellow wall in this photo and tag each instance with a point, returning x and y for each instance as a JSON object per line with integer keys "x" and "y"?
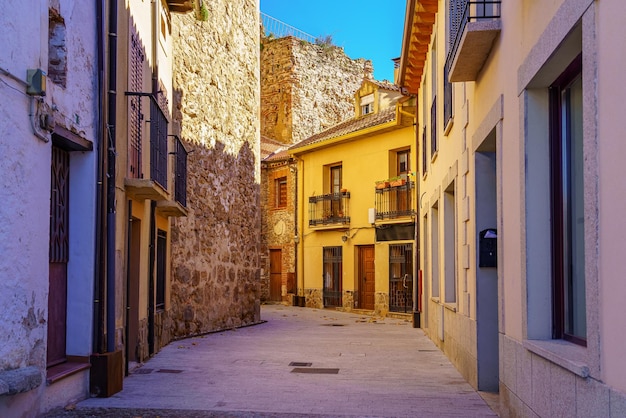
{"x": 364, "y": 161}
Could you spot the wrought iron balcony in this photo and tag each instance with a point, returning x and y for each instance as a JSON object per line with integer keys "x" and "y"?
{"x": 329, "y": 209}
{"x": 474, "y": 27}
{"x": 395, "y": 201}
{"x": 154, "y": 187}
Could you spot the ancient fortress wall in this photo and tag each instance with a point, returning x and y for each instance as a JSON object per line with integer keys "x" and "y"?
{"x": 306, "y": 88}
{"x": 215, "y": 249}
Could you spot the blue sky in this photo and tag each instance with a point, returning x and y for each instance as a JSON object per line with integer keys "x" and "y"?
{"x": 370, "y": 29}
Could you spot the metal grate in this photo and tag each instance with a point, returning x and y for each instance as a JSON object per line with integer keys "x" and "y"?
{"x": 59, "y": 206}
{"x": 401, "y": 278}
{"x": 315, "y": 370}
{"x": 332, "y": 292}
{"x": 180, "y": 185}
{"x": 158, "y": 144}
{"x": 173, "y": 371}
{"x": 299, "y": 364}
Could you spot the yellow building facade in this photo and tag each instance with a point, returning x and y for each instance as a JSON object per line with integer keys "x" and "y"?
{"x": 356, "y": 207}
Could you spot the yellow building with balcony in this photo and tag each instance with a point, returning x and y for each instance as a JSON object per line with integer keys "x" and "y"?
{"x": 356, "y": 206}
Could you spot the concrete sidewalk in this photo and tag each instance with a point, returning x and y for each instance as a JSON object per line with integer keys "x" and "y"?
{"x": 301, "y": 362}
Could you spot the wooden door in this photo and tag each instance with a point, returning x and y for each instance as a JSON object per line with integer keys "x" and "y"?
{"x": 367, "y": 277}
{"x": 59, "y": 256}
{"x": 276, "y": 275}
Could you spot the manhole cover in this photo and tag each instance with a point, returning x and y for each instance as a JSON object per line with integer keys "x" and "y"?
{"x": 169, "y": 371}
{"x": 142, "y": 371}
{"x": 299, "y": 364}
{"x": 333, "y": 325}
{"x": 315, "y": 370}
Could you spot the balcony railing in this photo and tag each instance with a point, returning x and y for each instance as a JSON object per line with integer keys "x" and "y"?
{"x": 180, "y": 181}
{"x": 329, "y": 209}
{"x": 395, "y": 201}
{"x": 158, "y": 144}
{"x": 474, "y": 27}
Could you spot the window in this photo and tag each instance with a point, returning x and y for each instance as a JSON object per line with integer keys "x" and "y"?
{"x": 424, "y": 153}
{"x": 403, "y": 162}
{"x": 332, "y": 259}
{"x": 567, "y": 205}
{"x": 335, "y": 189}
{"x": 367, "y": 104}
{"x": 449, "y": 237}
{"x": 434, "y": 250}
{"x": 280, "y": 192}
{"x": 401, "y": 278}
{"x": 434, "y": 144}
{"x": 161, "y": 266}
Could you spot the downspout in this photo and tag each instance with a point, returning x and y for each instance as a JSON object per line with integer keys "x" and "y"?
{"x": 296, "y": 237}
{"x": 99, "y": 274}
{"x": 111, "y": 168}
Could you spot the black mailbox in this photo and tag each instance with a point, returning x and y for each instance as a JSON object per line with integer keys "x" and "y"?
{"x": 488, "y": 248}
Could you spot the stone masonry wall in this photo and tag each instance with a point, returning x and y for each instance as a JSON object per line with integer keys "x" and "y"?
{"x": 278, "y": 228}
{"x": 215, "y": 249}
{"x": 306, "y": 88}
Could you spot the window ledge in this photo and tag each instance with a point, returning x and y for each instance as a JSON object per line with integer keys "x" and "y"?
{"x": 433, "y": 157}
{"x": 67, "y": 369}
{"x": 562, "y": 353}
{"x": 448, "y": 127}
{"x": 434, "y": 299}
{"x": 450, "y": 306}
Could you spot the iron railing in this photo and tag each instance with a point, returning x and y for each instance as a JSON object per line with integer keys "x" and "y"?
{"x": 275, "y": 28}
{"x": 395, "y": 201}
{"x": 158, "y": 139}
{"x": 180, "y": 180}
{"x": 330, "y": 208}
{"x": 158, "y": 144}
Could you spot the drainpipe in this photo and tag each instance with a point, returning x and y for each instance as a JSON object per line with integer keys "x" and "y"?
{"x": 111, "y": 212}
{"x": 99, "y": 282}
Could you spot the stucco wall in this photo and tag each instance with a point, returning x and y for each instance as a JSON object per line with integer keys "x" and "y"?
{"x": 25, "y": 184}
{"x": 215, "y": 249}
{"x": 306, "y": 88}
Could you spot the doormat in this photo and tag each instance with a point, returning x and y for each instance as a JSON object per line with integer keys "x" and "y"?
{"x": 315, "y": 370}
{"x": 169, "y": 371}
{"x": 142, "y": 371}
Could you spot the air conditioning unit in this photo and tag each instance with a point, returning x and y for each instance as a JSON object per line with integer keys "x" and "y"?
{"x": 371, "y": 216}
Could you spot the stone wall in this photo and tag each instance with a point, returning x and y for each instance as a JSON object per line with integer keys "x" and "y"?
{"x": 278, "y": 228}
{"x": 215, "y": 249}
{"x": 306, "y": 88}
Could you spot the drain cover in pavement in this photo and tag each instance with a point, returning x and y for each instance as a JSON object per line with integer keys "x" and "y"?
{"x": 333, "y": 325}
{"x": 142, "y": 371}
{"x": 299, "y": 364}
{"x": 315, "y": 370}
{"x": 169, "y": 371}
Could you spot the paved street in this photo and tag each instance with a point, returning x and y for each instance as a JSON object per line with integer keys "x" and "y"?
{"x": 301, "y": 362}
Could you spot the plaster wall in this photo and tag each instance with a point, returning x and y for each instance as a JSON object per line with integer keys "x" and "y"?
{"x": 25, "y": 215}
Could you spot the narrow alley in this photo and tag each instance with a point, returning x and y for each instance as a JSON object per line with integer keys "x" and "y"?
{"x": 299, "y": 362}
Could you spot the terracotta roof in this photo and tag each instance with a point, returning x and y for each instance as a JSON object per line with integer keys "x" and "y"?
{"x": 269, "y": 146}
{"x": 387, "y": 85}
{"x": 279, "y": 155}
{"x": 349, "y": 126}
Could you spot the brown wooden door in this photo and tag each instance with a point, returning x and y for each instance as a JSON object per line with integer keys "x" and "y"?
{"x": 59, "y": 255}
{"x": 367, "y": 277}
{"x": 276, "y": 275}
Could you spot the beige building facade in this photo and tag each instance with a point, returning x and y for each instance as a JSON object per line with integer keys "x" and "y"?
{"x": 518, "y": 161}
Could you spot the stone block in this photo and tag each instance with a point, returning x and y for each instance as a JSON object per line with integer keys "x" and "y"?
{"x": 523, "y": 373}
{"x": 617, "y": 403}
{"x": 19, "y": 380}
{"x": 592, "y": 398}
{"x": 563, "y": 386}
{"x": 541, "y": 390}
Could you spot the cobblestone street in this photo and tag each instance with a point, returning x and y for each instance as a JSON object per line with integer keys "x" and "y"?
{"x": 300, "y": 362}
